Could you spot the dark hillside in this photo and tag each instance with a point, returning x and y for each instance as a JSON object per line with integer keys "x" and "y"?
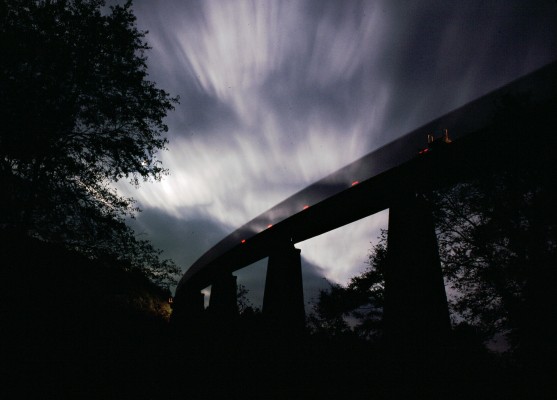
{"x": 70, "y": 324}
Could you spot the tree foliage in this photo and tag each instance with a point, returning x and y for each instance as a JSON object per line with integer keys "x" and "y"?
{"x": 357, "y": 307}
{"x": 244, "y": 303}
{"x": 498, "y": 241}
{"x": 78, "y": 113}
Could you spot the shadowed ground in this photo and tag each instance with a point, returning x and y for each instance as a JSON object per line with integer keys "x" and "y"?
{"x": 73, "y": 330}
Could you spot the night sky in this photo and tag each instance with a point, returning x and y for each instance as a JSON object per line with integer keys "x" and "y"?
{"x": 278, "y": 94}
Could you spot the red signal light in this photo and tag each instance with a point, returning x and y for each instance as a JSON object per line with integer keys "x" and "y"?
{"x": 355, "y": 183}
{"x": 243, "y": 241}
{"x": 306, "y": 207}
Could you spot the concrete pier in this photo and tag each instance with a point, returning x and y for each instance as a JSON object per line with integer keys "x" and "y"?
{"x": 188, "y": 308}
{"x": 223, "y": 302}
{"x": 416, "y": 311}
{"x": 283, "y": 302}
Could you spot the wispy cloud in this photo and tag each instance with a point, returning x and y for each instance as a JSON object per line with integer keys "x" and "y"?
{"x": 278, "y": 94}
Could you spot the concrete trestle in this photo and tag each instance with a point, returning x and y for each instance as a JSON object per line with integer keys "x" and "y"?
{"x": 415, "y": 307}
{"x": 415, "y": 311}
{"x": 188, "y": 307}
{"x": 283, "y": 302}
{"x": 223, "y": 301}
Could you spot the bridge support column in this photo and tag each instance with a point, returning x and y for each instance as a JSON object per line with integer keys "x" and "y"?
{"x": 223, "y": 303}
{"x": 188, "y": 308}
{"x": 283, "y": 301}
{"x": 415, "y": 311}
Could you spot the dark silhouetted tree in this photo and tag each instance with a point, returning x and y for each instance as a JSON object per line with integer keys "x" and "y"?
{"x": 498, "y": 241}
{"x": 78, "y": 113}
{"x": 245, "y": 306}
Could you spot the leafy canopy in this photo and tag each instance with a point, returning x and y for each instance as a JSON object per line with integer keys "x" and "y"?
{"x": 78, "y": 113}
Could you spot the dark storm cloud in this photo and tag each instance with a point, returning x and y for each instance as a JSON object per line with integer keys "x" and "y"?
{"x": 278, "y": 94}
{"x": 181, "y": 239}
{"x": 443, "y": 54}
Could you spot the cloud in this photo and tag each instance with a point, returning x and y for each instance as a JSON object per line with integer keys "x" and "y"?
{"x": 278, "y": 94}
{"x": 182, "y": 240}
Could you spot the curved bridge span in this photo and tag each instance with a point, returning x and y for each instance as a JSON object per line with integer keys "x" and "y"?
{"x": 373, "y": 183}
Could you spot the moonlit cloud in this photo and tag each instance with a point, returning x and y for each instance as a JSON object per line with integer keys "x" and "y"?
{"x": 278, "y": 94}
